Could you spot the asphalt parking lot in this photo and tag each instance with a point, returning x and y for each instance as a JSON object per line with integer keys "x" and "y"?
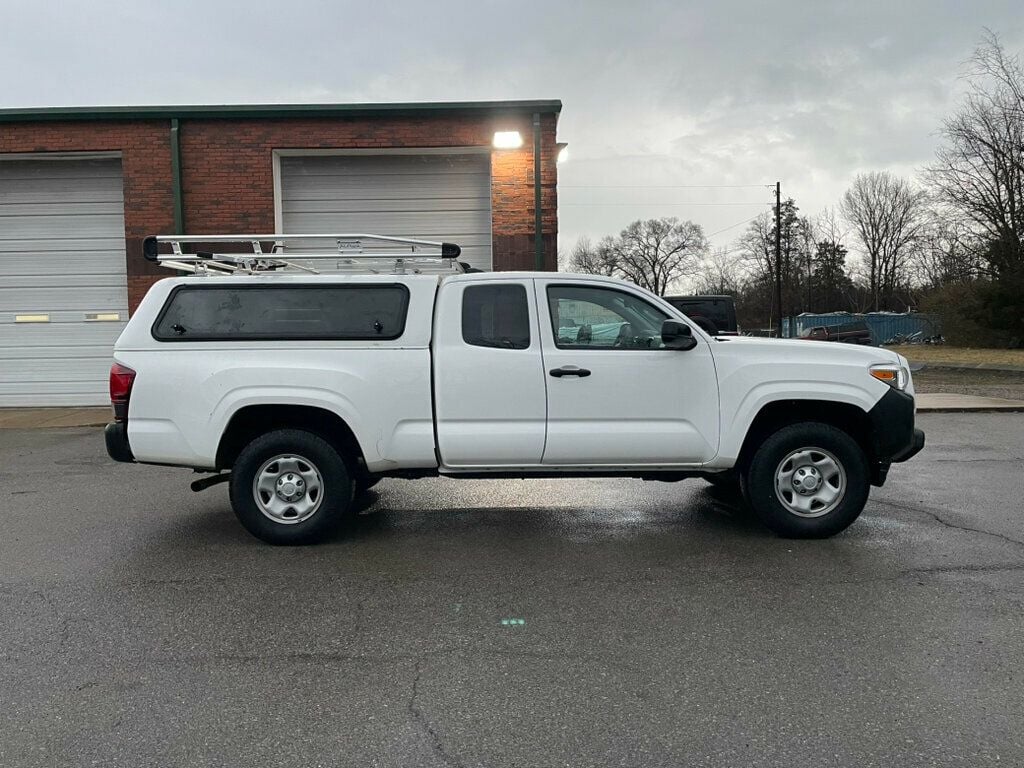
{"x": 512, "y": 623}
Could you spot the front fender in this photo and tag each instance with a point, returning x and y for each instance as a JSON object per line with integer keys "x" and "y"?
{"x": 738, "y": 416}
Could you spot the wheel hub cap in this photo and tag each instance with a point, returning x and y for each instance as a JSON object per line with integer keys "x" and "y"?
{"x": 810, "y": 482}
{"x": 806, "y": 480}
{"x": 288, "y": 489}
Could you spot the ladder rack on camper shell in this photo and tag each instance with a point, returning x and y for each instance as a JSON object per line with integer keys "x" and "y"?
{"x": 315, "y": 254}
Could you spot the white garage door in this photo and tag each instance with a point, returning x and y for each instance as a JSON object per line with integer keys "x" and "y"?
{"x": 63, "y": 291}
{"x": 433, "y": 196}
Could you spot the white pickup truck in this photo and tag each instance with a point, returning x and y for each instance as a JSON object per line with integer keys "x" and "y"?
{"x": 303, "y": 388}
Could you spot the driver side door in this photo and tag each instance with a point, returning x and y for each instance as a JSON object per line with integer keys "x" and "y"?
{"x": 616, "y": 396}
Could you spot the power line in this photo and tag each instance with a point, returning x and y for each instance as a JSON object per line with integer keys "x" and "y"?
{"x": 727, "y": 251}
{"x": 664, "y": 186}
{"x": 655, "y": 202}
{"x": 733, "y": 226}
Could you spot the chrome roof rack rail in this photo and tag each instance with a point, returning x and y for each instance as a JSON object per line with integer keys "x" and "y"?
{"x": 315, "y": 254}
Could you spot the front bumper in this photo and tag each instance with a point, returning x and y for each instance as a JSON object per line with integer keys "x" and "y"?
{"x": 115, "y": 435}
{"x": 910, "y": 451}
{"x": 893, "y": 434}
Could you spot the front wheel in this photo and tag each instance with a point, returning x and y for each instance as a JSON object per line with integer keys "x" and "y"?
{"x": 290, "y": 487}
{"x": 808, "y": 481}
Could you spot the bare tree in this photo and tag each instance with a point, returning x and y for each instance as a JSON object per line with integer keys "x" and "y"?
{"x": 657, "y": 252}
{"x": 720, "y": 273}
{"x": 756, "y": 252}
{"x": 979, "y": 170}
{"x": 805, "y": 246}
{"x": 887, "y": 214}
{"x": 832, "y": 288}
{"x": 654, "y": 253}
{"x": 991, "y": 60}
{"x": 830, "y": 227}
{"x": 590, "y": 259}
{"x": 946, "y": 252}
{"x": 757, "y": 249}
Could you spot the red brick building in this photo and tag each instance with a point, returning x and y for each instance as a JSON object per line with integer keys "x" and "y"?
{"x": 80, "y": 188}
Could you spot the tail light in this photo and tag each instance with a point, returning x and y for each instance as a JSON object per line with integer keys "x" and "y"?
{"x": 121, "y": 379}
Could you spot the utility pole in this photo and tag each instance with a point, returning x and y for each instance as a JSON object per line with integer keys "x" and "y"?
{"x": 778, "y": 256}
{"x": 810, "y": 270}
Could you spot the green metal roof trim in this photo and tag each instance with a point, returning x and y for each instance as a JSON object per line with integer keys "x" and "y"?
{"x": 278, "y": 111}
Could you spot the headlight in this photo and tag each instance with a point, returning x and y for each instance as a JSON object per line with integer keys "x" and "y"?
{"x": 896, "y": 376}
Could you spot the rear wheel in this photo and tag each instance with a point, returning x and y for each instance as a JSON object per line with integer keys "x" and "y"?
{"x": 290, "y": 487}
{"x": 808, "y": 480}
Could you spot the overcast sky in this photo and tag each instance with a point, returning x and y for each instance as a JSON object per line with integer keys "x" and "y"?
{"x": 657, "y": 95}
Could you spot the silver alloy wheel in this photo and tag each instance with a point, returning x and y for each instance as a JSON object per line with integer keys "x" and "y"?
{"x": 288, "y": 489}
{"x": 810, "y": 482}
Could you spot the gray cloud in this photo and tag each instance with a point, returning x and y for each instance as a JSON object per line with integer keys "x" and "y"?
{"x": 655, "y": 93}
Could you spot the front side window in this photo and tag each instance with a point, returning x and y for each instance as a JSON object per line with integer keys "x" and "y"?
{"x": 603, "y": 318}
{"x": 272, "y": 312}
{"x": 496, "y": 316}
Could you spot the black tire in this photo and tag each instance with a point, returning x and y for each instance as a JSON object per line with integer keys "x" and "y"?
{"x": 759, "y": 481}
{"x": 728, "y": 479}
{"x": 363, "y": 484}
{"x": 725, "y": 487}
{"x": 333, "y": 500}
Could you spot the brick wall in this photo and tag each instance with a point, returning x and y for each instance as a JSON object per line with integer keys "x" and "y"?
{"x": 227, "y": 172}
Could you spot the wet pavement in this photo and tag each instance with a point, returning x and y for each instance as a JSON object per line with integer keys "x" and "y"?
{"x": 512, "y": 623}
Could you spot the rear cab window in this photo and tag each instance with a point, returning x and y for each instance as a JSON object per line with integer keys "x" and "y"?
{"x": 237, "y": 312}
{"x": 496, "y": 316}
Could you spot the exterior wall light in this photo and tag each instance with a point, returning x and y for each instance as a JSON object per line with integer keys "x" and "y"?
{"x": 563, "y": 152}
{"x": 507, "y": 140}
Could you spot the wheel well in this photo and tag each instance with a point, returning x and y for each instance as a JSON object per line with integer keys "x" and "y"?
{"x": 254, "y": 420}
{"x": 773, "y": 416}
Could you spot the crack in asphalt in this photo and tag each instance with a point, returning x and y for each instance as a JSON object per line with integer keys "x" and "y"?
{"x": 417, "y": 716}
{"x": 325, "y": 657}
{"x": 947, "y": 523}
{"x": 994, "y": 568}
{"x": 472, "y": 650}
{"x": 1011, "y": 460}
{"x": 932, "y": 571}
{"x": 308, "y": 656}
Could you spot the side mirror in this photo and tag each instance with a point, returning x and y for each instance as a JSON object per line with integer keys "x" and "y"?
{"x": 677, "y": 335}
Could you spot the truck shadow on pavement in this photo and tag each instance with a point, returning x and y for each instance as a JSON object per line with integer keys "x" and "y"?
{"x": 707, "y": 513}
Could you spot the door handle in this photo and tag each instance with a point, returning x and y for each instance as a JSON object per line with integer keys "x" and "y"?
{"x": 569, "y": 370}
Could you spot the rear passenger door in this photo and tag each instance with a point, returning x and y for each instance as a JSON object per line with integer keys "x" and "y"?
{"x": 489, "y": 384}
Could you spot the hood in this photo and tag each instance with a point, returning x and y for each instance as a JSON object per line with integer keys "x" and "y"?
{"x": 802, "y": 349}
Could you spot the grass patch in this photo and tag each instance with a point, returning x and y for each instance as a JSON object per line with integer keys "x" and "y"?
{"x": 943, "y": 353}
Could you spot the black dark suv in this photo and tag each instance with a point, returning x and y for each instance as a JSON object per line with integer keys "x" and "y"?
{"x": 715, "y": 314}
